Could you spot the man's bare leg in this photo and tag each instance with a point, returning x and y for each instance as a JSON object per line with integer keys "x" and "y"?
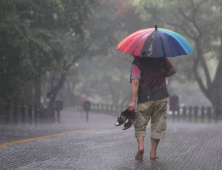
{"x": 140, "y": 141}
{"x": 154, "y": 143}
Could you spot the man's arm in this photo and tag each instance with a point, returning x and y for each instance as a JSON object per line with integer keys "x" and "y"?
{"x": 170, "y": 72}
{"x": 134, "y": 93}
{"x": 169, "y": 68}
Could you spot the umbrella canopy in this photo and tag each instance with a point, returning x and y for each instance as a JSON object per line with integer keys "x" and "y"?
{"x": 155, "y": 42}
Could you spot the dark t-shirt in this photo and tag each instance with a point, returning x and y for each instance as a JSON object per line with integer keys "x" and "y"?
{"x": 151, "y": 72}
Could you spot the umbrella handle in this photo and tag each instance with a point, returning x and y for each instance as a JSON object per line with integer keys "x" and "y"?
{"x": 155, "y": 27}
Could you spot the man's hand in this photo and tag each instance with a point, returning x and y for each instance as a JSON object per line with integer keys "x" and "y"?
{"x": 132, "y": 106}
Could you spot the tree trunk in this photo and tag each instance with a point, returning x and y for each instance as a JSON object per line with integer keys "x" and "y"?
{"x": 54, "y": 91}
{"x": 216, "y": 90}
{"x": 38, "y": 92}
{"x": 70, "y": 90}
{"x": 213, "y": 89}
{"x": 113, "y": 93}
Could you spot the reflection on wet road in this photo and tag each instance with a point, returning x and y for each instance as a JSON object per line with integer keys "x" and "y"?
{"x": 97, "y": 144}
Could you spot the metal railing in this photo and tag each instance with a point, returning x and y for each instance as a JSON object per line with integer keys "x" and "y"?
{"x": 16, "y": 113}
{"x": 186, "y": 113}
{"x": 195, "y": 113}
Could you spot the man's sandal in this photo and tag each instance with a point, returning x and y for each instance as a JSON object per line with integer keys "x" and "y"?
{"x": 120, "y": 120}
{"x": 130, "y": 121}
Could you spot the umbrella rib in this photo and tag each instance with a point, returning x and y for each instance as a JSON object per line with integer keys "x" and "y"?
{"x": 127, "y": 42}
{"x": 130, "y": 36}
{"x": 127, "y": 47}
{"x": 145, "y": 37}
{"x": 180, "y": 42}
{"x": 184, "y": 43}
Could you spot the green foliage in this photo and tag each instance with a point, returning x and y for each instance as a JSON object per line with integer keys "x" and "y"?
{"x": 35, "y": 36}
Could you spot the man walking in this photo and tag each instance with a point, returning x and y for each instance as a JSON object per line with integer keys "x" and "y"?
{"x": 148, "y": 83}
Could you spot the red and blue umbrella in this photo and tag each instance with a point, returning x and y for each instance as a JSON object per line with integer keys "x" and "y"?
{"x": 155, "y": 42}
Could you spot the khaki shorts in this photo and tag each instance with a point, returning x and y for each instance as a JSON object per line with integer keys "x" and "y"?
{"x": 157, "y": 111}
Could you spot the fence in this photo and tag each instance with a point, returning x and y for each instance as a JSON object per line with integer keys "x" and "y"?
{"x": 190, "y": 113}
{"x": 15, "y": 113}
{"x": 102, "y": 108}
{"x": 195, "y": 113}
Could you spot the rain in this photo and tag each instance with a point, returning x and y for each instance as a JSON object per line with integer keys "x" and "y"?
{"x": 110, "y": 84}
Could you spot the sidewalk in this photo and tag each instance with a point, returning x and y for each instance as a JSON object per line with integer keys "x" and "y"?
{"x": 69, "y": 121}
{"x": 188, "y": 146}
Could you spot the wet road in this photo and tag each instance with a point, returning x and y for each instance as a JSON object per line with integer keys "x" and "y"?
{"x": 99, "y": 145}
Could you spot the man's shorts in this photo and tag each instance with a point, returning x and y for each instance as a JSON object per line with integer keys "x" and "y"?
{"x": 157, "y": 111}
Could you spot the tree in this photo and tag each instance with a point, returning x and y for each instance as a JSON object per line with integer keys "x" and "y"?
{"x": 71, "y": 43}
{"x": 196, "y": 20}
{"x": 31, "y": 35}
{"x": 24, "y": 33}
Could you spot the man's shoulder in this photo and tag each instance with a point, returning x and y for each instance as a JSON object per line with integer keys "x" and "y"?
{"x": 138, "y": 63}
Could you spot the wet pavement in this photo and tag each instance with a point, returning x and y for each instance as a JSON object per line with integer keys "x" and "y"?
{"x": 102, "y": 146}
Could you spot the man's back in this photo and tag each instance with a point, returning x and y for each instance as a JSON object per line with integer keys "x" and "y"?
{"x": 151, "y": 72}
